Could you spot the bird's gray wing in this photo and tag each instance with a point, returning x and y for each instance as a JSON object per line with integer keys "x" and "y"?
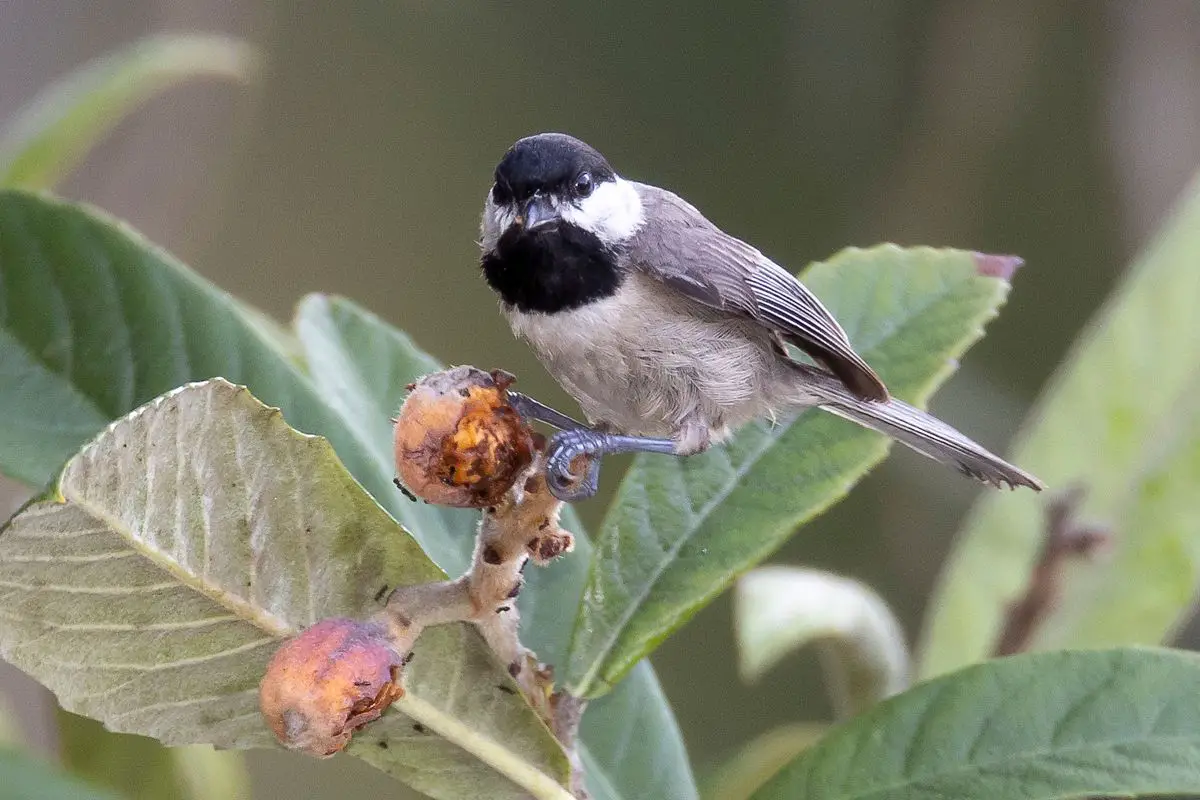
{"x": 696, "y": 258}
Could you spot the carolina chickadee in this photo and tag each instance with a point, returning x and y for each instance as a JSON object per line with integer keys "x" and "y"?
{"x": 669, "y": 332}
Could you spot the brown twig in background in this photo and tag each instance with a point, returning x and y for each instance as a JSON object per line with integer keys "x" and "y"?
{"x": 1065, "y": 539}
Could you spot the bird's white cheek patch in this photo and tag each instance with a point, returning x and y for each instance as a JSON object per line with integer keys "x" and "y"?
{"x": 613, "y": 212}
{"x": 496, "y": 220}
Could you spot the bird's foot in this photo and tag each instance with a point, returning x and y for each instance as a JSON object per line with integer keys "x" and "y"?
{"x": 568, "y": 445}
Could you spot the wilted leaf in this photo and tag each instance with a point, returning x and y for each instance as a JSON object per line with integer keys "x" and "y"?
{"x": 181, "y": 545}
{"x": 632, "y": 747}
{"x": 863, "y": 653}
{"x": 1035, "y": 727}
{"x": 680, "y": 530}
{"x": 1121, "y": 420}
{"x": 51, "y": 135}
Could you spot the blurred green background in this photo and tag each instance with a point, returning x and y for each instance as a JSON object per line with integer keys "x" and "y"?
{"x": 1060, "y": 131}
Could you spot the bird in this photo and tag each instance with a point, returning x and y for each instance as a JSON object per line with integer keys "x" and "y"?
{"x": 670, "y": 333}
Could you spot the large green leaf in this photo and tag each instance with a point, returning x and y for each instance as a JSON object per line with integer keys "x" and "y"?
{"x": 863, "y": 652}
{"x": 152, "y": 587}
{"x": 23, "y": 778}
{"x": 361, "y": 367}
{"x": 680, "y": 530}
{"x": 1121, "y": 419}
{"x": 632, "y": 746}
{"x": 1033, "y": 727}
{"x": 52, "y": 134}
{"x": 95, "y": 321}
{"x": 106, "y": 283}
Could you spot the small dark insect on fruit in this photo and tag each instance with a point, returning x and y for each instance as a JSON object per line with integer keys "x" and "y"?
{"x": 404, "y": 490}
{"x": 669, "y": 332}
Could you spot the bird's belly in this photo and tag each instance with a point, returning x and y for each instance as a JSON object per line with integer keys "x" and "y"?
{"x": 649, "y": 367}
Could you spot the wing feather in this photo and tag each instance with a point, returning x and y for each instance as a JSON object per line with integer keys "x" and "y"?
{"x": 696, "y": 258}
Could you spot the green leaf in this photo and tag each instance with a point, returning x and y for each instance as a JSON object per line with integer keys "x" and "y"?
{"x": 632, "y": 747}
{"x": 95, "y": 321}
{"x": 748, "y": 769}
{"x": 1120, "y": 419}
{"x": 680, "y": 530}
{"x": 361, "y": 367}
{"x": 73, "y": 282}
{"x": 187, "y": 540}
{"x": 51, "y": 135}
{"x": 1034, "y": 727}
{"x": 780, "y": 609}
{"x": 24, "y": 778}
{"x": 11, "y": 736}
{"x": 140, "y": 768}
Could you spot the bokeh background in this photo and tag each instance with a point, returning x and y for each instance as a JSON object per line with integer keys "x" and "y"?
{"x": 1060, "y": 131}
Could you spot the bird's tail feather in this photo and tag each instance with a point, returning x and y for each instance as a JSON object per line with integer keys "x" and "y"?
{"x": 924, "y": 433}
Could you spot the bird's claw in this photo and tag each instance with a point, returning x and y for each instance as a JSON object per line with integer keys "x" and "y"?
{"x": 561, "y": 452}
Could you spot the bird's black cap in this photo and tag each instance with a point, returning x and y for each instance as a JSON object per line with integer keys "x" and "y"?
{"x": 548, "y": 162}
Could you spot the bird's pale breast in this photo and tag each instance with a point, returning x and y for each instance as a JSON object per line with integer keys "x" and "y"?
{"x": 646, "y": 360}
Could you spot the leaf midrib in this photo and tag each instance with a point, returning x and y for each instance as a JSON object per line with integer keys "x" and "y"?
{"x": 244, "y": 610}
{"x": 585, "y": 684}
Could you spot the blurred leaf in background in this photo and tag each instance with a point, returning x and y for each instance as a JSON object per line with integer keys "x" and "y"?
{"x": 140, "y": 768}
{"x": 1120, "y": 421}
{"x": 24, "y": 778}
{"x": 743, "y": 773}
{"x": 49, "y": 137}
{"x": 863, "y": 652}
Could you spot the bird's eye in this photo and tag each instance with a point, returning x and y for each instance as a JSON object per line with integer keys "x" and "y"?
{"x": 584, "y": 184}
{"x": 500, "y": 195}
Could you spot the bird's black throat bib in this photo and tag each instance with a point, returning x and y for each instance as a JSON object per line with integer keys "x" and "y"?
{"x": 557, "y": 267}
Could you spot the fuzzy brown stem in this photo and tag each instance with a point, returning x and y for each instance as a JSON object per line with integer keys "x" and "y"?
{"x": 522, "y": 526}
{"x": 1065, "y": 539}
{"x": 565, "y": 720}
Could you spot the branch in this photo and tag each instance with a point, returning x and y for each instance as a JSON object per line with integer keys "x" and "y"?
{"x": 458, "y": 442}
{"x": 521, "y": 527}
{"x": 1065, "y": 540}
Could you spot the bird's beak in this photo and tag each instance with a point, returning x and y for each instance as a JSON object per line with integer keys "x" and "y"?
{"x": 537, "y": 210}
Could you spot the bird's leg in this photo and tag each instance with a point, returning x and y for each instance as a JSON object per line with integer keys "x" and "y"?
{"x": 536, "y": 410}
{"x": 574, "y": 439}
{"x": 529, "y": 408}
{"x": 693, "y": 437}
{"x": 566, "y": 446}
